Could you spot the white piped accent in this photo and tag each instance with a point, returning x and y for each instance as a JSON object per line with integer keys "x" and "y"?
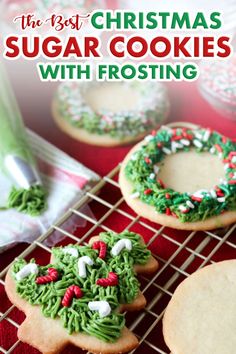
{"x": 199, "y": 194}
{"x": 82, "y": 262}
{"x": 212, "y": 150}
{"x": 226, "y": 166}
{"x": 198, "y": 136}
{"x": 166, "y": 151}
{"x": 134, "y": 157}
{"x": 221, "y": 200}
{"x": 30, "y": 268}
{"x": 185, "y": 142}
{"x": 134, "y": 195}
{"x": 156, "y": 169}
{"x": 183, "y": 208}
{"x": 120, "y": 245}
{"x": 175, "y": 146}
{"x": 72, "y": 251}
{"x": 197, "y": 143}
{"x": 206, "y": 135}
{"x": 103, "y": 307}
{"x": 148, "y": 138}
{"x": 223, "y": 181}
{"x": 213, "y": 193}
{"x": 190, "y": 204}
{"x": 152, "y": 176}
{"x": 233, "y": 159}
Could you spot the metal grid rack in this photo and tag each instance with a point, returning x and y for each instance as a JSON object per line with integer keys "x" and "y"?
{"x": 178, "y": 253}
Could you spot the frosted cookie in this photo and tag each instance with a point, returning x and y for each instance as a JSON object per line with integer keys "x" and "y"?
{"x": 108, "y": 113}
{"x": 79, "y": 298}
{"x": 182, "y": 178}
{"x": 201, "y": 316}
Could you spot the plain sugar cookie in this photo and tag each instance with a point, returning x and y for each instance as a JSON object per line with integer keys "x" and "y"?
{"x": 201, "y": 316}
{"x": 182, "y": 178}
{"x": 109, "y": 113}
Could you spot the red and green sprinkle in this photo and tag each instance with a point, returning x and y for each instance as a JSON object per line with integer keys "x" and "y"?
{"x": 142, "y": 171}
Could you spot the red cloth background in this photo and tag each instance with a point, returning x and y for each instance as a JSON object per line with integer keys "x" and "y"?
{"x": 186, "y": 105}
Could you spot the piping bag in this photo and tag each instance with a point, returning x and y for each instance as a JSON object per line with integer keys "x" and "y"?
{"x": 16, "y": 160}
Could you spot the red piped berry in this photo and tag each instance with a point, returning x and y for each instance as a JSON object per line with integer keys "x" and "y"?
{"x": 220, "y": 194}
{"x": 161, "y": 183}
{"x": 159, "y": 144}
{"x": 218, "y": 147}
{"x": 232, "y": 182}
{"x": 102, "y": 247}
{"x": 147, "y": 191}
{"x": 185, "y": 211}
{"x": 153, "y": 133}
{"x": 232, "y": 165}
{"x": 71, "y": 292}
{"x": 168, "y": 211}
{"x": 51, "y": 277}
{"x": 187, "y": 136}
{"x": 176, "y": 137}
{"x": 196, "y": 199}
{"x": 111, "y": 280}
{"x": 231, "y": 154}
{"x": 168, "y": 196}
{"x": 147, "y": 160}
{"x": 224, "y": 139}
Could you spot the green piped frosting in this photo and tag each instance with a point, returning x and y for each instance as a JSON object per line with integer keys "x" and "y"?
{"x": 77, "y": 317}
{"x": 30, "y": 201}
{"x": 140, "y": 172}
{"x": 150, "y": 111}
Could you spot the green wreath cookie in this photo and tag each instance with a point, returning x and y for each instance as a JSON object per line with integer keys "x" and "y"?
{"x": 148, "y": 195}
{"x": 83, "y": 290}
{"x": 107, "y": 113}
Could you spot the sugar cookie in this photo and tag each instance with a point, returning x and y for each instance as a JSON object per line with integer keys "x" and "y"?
{"x": 109, "y": 113}
{"x": 182, "y": 178}
{"x": 201, "y": 316}
{"x": 79, "y": 297}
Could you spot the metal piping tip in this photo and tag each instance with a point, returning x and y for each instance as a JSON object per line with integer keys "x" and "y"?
{"x": 21, "y": 172}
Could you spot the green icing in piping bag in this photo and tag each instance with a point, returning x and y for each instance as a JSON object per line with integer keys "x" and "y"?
{"x": 16, "y": 160}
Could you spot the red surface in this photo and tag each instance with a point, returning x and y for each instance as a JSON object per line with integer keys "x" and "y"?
{"x": 187, "y": 105}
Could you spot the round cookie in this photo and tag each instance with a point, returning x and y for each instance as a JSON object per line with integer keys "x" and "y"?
{"x": 108, "y": 113}
{"x": 201, "y": 316}
{"x": 182, "y": 178}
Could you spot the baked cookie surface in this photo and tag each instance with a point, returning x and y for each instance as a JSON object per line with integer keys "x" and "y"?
{"x": 80, "y": 296}
{"x": 182, "y": 178}
{"x": 201, "y": 316}
{"x": 108, "y": 113}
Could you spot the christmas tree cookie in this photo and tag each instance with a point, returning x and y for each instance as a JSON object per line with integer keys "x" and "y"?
{"x": 182, "y": 178}
{"x": 79, "y": 297}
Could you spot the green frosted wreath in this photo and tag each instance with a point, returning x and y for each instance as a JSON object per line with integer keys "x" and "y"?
{"x": 142, "y": 172}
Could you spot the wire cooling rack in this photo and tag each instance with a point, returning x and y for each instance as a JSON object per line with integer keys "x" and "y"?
{"x": 178, "y": 253}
